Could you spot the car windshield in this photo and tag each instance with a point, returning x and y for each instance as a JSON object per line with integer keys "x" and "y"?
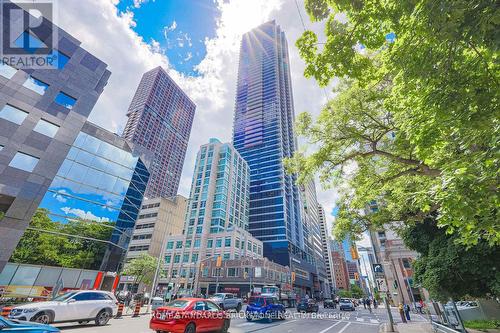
{"x": 64, "y": 297}
{"x": 256, "y": 301}
{"x": 344, "y": 300}
{"x": 218, "y": 296}
{"x": 178, "y": 304}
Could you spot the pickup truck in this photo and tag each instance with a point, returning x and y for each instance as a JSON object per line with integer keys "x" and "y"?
{"x": 227, "y": 301}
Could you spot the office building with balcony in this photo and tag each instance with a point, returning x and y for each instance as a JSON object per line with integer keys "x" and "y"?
{"x": 263, "y": 135}
{"x": 160, "y": 118}
{"x": 42, "y": 111}
{"x": 217, "y": 217}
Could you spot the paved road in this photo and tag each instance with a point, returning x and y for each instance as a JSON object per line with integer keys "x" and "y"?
{"x": 328, "y": 321}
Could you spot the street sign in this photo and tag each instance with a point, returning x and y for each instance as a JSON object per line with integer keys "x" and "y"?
{"x": 378, "y": 270}
{"x": 381, "y": 285}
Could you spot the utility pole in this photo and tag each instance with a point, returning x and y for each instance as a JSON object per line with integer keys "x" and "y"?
{"x": 389, "y": 313}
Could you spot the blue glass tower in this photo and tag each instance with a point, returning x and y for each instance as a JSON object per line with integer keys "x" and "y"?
{"x": 263, "y": 135}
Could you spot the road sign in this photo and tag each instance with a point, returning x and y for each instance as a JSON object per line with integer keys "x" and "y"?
{"x": 378, "y": 270}
{"x": 381, "y": 285}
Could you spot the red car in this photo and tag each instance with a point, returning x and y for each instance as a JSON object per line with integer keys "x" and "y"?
{"x": 189, "y": 315}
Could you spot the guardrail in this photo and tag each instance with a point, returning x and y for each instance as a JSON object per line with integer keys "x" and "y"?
{"x": 440, "y": 328}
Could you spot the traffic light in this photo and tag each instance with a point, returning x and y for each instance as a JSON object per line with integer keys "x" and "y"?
{"x": 219, "y": 261}
{"x": 354, "y": 253}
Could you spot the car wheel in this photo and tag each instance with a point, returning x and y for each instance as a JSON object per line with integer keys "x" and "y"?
{"x": 249, "y": 317}
{"x": 282, "y": 315}
{"x": 191, "y": 328}
{"x": 41, "y": 318}
{"x": 225, "y": 326}
{"x": 221, "y": 306}
{"x": 102, "y": 318}
{"x": 238, "y": 307}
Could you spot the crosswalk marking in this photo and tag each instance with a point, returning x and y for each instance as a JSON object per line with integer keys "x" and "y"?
{"x": 374, "y": 321}
{"x": 360, "y": 319}
{"x": 326, "y": 329}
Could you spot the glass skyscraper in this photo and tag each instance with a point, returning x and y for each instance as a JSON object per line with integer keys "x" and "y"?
{"x": 263, "y": 135}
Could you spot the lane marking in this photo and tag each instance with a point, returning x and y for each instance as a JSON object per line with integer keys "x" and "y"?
{"x": 245, "y": 324}
{"x": 344, "y": 328}
{"x": 360, "y": 319}
{"x": 289, "y": 321}
{"x": 374, "y": 321}
{"x": 326, "y": 329}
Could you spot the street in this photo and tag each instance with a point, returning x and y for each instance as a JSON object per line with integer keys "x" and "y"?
{"x": 327, "y": 321}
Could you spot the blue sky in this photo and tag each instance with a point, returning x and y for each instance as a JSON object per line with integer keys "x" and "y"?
{"x": 180, "y": 30}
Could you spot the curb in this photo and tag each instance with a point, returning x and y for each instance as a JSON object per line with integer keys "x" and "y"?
{"x": 384, "y": 328}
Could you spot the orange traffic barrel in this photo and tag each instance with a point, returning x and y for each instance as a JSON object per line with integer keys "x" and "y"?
{"x": 137, "y": 309}
{"x": 6, "y": 311}
{"x": 120, "y": 310}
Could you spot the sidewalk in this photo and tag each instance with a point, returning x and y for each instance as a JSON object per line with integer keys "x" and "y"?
{"x": 421, "y": 327}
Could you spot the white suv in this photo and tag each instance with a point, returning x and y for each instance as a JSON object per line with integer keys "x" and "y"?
{"x": 79, "y": 305}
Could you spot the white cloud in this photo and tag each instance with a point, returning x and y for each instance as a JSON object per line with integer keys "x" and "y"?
{"x": 84, "y": 215}
{"x": 109, "y": 36}
{"x": 189, "y": 56}
{"x": 139, "y": 3}
{"x": 59, "y": 196}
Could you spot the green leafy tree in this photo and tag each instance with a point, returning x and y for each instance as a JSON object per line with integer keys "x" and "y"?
{"x": 142, "y": 268}
{"x": 356, "y": 291}
{"x": 415, "y": 125}
{"x": 51, "y": 243}
{"x": 447, "y": 269}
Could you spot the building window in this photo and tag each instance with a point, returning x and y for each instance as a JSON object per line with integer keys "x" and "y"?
{"x": 218, "y": 242}
{"x": 46, "y": 128}
{"x": 6, "y": 71}
{"x": 139, "y": 248}
{"x": 36, "y": 85}
{"x": 194, "y": 258}
{"x": 227, "y": 242}
{"x": 177, "y": 258}
{"x": 199, "y": 229}
{"x": 188, "y": 244}
{"x": 29, "y": 42}
{"x": 197, "y": 243}
{"x": 24, "y": 162}
{"x": 170, "y": 245}
{"x": 210, "y": 243}
{"x": 144, "y": 226}
{"x": 185, "y": 258}
{"x": 13, "y": 114}
{"x": 178, "y": 245}
{"x": 168, "y": 259}
{"x": 226, "y": 256}
{"x": 232, "y": 272}
{"x": 146, "y": 236}
{"x": 65, "y": 100}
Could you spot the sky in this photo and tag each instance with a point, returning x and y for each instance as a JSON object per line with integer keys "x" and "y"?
{"x": 197, "y": 42}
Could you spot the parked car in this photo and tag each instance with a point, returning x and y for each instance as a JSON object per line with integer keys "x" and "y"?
{"x": 227, "y": 301}
{"x": 262, "y": 307}
{"x": 189, "y": 315}
{"x": 345, "y": 304}
{"x": 329, "y": 303}
{"x": 24, "y": 327}
{"x": 308, "y": 305}
{"x": 80, "y": 306}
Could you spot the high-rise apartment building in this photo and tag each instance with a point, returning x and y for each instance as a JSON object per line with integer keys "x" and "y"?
{"x": 217, "y": 217}
{"x": 326, "y": 247}
{"x": 41, "y": 113}
{"x": 339, "y": 266}
{"x": 263, "y": 135}
{"x": 312, "y": 238}
{"x": 160, "y": 117}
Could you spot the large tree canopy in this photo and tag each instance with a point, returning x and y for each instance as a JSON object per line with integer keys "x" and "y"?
{"x": 415, "y": 125}
{"x": 447, "y": 269}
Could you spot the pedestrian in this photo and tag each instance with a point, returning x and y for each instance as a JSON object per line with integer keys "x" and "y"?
{"x": 419, "y": 307}
{"x": 364, "y": 303}
{"x": 422, "y": 304}
{"x": 407, "y": 311}
{"x": 375, "y": 303}
{"x": 402, "y": 312}
{"x": 369, "y": 304}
